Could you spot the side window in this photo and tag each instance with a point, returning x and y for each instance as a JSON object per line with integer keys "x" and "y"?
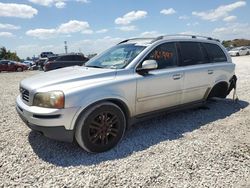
{"x": 164, "y": 54}
{"x": 192, "y": 54}
{"x": 4, "y": 63}
{"x": 215, "y": 53}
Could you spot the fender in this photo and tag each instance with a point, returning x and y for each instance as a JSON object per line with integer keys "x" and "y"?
{"x": 99, "y": 98}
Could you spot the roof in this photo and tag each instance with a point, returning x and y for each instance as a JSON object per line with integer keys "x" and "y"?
{"x": 146, "y": 41}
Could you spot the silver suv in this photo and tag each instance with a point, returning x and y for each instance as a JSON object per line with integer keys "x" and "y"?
{"x": 96, "y": 103}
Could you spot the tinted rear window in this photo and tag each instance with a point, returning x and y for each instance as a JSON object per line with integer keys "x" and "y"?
{"x": 215, "y": 52}
{"x": 192, "y": 54}
{"x": 67, "y": 58}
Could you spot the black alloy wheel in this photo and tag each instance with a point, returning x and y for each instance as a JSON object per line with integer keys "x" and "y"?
{"x": 101, "y": 127}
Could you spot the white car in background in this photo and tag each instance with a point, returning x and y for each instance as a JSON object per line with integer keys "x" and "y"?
{"x": 239, "y": 51}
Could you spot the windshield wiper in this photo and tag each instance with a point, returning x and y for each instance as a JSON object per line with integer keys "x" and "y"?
{"x": 94, "y": 66}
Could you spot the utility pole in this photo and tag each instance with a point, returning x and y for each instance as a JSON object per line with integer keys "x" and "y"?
{"x": 65, "y": 47}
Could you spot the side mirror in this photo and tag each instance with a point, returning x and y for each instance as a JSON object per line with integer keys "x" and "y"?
{"x": 146, "y": 66}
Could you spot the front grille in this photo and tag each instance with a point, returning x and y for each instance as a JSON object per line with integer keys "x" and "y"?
{"x": 25, "y": 94}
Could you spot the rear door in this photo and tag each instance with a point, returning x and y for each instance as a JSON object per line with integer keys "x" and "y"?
{"x": 198, "y": 72}
{"x": 160, "y": 88}
{"x": 222, "y": 70}
{"x": 12, "y": 66}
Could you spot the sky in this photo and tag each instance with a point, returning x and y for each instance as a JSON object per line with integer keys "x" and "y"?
{"x": 29, "y": 27}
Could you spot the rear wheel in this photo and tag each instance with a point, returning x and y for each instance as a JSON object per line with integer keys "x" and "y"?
{"x": 101, "y": 127}
{"x": 19, "y": 69}
{"x": 237, "y": 54}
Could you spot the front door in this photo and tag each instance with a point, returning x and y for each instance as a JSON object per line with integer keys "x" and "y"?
{"x": 160, "y": 88}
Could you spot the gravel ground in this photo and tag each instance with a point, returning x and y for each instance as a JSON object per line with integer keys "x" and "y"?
{"x": 205, "y": 147}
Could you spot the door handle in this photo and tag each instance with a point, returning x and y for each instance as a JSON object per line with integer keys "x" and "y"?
{"x": 210, "y": 71}
{"x": 176, "y": 76}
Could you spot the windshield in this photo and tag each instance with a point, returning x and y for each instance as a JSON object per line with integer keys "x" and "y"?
{"x": 117, "y": 57}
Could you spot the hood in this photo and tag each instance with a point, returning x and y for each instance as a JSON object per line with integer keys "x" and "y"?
{"x": 69, "y": 77}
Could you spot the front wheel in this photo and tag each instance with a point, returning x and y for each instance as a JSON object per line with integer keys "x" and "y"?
{"x": 101, "y": 127}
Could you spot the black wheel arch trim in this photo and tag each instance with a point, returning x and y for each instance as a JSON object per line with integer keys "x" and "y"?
{"x": 121, "y": 104}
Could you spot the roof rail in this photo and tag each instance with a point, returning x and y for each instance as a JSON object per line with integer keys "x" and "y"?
{"x": 184, "y": 35}
{"x": 135, "y": 39}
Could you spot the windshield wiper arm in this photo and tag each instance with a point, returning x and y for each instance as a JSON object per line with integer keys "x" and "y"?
{"x": 94, "y": 66}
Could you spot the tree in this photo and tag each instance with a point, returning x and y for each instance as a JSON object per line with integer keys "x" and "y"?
{"x": 4, "y": 54}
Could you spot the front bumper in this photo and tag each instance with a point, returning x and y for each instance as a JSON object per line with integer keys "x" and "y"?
{"x": 53, "y": 123}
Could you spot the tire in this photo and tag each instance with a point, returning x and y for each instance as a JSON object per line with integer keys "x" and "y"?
{"x": 248, "y": 53}
{"x": 237, "y": 54}
{"x": 100, "y": 128}
{"x": 19, "y": 69}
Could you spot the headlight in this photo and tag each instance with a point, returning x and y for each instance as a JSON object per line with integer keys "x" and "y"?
{"x": 54, "y": 99}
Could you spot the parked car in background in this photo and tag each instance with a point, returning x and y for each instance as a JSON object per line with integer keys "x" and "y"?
{"x": 65, "y": 60}
{"x": 96, "y": 103}
{"x": 30, "y": 64}
{"x": 40, "y": 62}
{"x": 229, "y": 48}
{"x": 46, "y": 54}
{"x": 248, "y": 47}
{"x": 239, "y": 51}
{"x": 8, "y": 65}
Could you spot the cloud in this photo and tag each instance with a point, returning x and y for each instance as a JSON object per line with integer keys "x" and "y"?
{"x": 17, "y": 10}
{"x": 102, "y": 31}
{"x": 230, "y": 18}
{"x": 184, "y": 17}
{"x": 127, "y": 28}
{"x": 150, "y": 34}
{"x": 168, "y": 11}
{"x": 83, "y": 1}
{"x": 42, "y": 33}
{"x": 60, "y": 4}
{"x": 9, "y": 26}
{"x": 233, "y": 30}
{"x": 193, "y": 24}
{"x": 73, "y": 26}
{"x": 49, "y": 3}
{"x": 6, "y": 34}
{"x": 95, "y": 45}
{"x": 87, "y": 31}
{"x": 43, "y": 2}
{"x": 84, "y": 46}
{"x": 130, "y": 17}
{"x": 220, "y": 12}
